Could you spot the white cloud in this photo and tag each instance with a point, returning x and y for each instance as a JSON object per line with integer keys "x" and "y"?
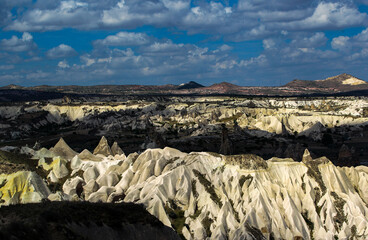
{"x": 124, "y": 39}
{"x": 61, "y": 51}
{"x": 269, "y": 43}
{"x": 247, "y": 20}
{"x": 316, "y": 40}
{"x": 223, "y": 48}
{"x": 6, "y": 67}
{"x": 15, "y": 44}
{"x": 329, "y": 15}
{"x": 164, "y": 47}
{"x": 63, "y": 64}
{"x": 341, "y": 43}
{"x": 75, "y": 14}
{"x": 37, "y": 75}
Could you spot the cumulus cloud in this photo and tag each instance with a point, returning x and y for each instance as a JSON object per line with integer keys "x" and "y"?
{"x": 6, "y": 67}
{"x": 341, "y": 43}
{"x": 316, "y": 40}
{"x": 124, "y": 39}
{"x": 66, "y": 14}
{"x": 37, "y": 75}
{"x": 165, "y": 47}
{"x": 61, "y": 51}
{"x": 244, "y": 20}
{"x": 63, "y": 64}
{"x": 356, "y": 43}
{"x": 329, "y": 15}
{"x": 15, "y": 44}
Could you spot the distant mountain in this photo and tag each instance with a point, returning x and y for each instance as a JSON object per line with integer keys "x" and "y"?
{"x": 190, "y": 85}
{"x": 12, "y": 86}
{"x": 342, "y": 82}
{"x": 223, "y": 88}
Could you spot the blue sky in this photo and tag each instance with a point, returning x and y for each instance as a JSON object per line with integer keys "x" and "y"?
{"x": 245, "y": 42}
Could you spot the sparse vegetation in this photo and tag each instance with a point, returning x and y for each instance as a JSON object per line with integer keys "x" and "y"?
{"x": 309, "y": 223}
{"x": 340, "y": 217}
{"x": 176, "y": 216}
{"x": 208, "y": 186}
{"x": 206, "y": 223}
{"x": 244, "y": 178}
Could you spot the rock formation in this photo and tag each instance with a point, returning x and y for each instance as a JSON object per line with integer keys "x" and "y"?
{"x": 116, "y": 150}
{"x": 103, "y": 148}
{"x": 226, "y": 146}
{"x": 62, "y": 149}
{"x": 206, "y": 195}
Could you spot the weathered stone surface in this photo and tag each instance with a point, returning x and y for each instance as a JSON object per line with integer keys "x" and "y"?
{"x": 103, "y": 148}
{"x": 116, "y": 150}
{"x": 62, "y": 149}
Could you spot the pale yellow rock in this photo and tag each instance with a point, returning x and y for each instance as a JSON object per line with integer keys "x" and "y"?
{"x": 22, "y": 187}
{"x": 116, "y": 150}
{"x": 86, "y": 155}
{"x": 103, "y": 148}
{"x": 62, "y": 149}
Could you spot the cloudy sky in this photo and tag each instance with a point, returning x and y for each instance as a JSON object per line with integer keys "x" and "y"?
{"x": 246, "y": 42}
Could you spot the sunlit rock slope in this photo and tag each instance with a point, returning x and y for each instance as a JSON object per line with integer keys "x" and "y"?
{"x": 210, "y": 196}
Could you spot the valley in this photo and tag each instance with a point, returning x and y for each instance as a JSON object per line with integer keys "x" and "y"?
{"x": 195, "y": 167}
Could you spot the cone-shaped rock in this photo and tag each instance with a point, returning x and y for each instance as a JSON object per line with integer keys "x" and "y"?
{"x": 116, "y": 150}
{"x": 103, "y": 148}
{"x": 307, "y": 156}
{"x": 62, "y": 149}
{"x": 86, "y": 155}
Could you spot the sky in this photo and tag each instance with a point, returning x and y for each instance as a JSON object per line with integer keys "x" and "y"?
{"x": 156, "y": 42}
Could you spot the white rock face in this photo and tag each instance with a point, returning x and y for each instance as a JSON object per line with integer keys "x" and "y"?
{"x": 353, "y": 81}
{"x": 214, "y": 196}
{"x": 235, "y": 197}
{"x": 276, "y": 116}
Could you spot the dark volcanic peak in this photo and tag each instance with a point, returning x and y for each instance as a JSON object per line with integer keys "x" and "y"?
{"x": 190, "y": 85}
{"x": 300, "y": 83}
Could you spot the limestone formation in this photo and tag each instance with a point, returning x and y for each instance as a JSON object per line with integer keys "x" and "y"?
{"x": 226, "y": 146}
{"x": 62, "y": 149}
{"x": 234, "y": 197}
{"x": 116, "y": 150}
{"x": 103, "y": 148}
{"x": 22, "y": 187}
{"x": 88, "y": 156}
{"x": 216, "y": 196}
{"x": 306, "y": 156}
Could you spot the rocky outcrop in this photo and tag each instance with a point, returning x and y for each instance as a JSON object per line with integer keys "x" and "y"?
{"x": 226, "y": 145}
{"x": 116, "y": 150}
{"x": 22, "y": 187}
{"x": 103, "y": 148}
{"x": 62, "y": 149}
{"x": 235, "y": 197}
{"x": 88, "y": 156}
{"x": 206, "y": 195}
